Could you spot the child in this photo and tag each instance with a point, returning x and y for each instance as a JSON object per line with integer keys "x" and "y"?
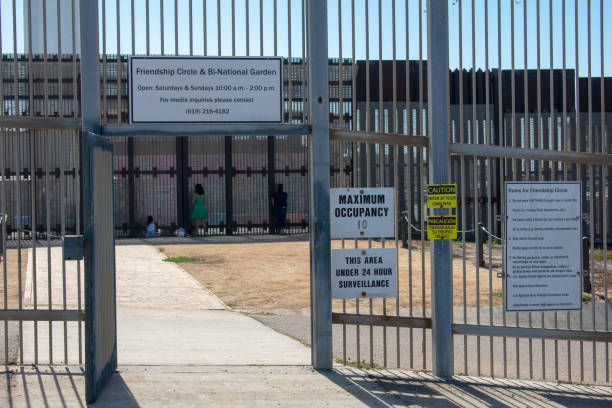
{"x": 151, "y": 228}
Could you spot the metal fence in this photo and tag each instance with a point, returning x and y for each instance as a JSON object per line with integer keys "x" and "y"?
{"x": 528, "y": 100}
{"x": 517, "y": 112}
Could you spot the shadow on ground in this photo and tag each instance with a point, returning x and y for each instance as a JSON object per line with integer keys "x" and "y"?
{"x": 58, "y": 387}
{"x": 135, "y": 386}
{"x": 376, "y": 388}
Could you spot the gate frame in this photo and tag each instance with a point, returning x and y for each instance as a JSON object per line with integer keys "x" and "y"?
{"x": 320, "y": 243}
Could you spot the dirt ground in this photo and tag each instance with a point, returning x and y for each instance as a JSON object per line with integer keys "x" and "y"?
{"x": 274, "y": 277}
{"x": 12, "y": 280}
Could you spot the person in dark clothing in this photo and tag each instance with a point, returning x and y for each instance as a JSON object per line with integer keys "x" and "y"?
{"x": 279, "y": 205}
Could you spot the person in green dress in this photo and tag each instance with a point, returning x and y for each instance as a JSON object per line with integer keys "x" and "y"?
{"x": 199, "y": 214}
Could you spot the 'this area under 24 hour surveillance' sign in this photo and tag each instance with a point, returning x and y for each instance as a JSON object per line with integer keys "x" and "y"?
{"x": 362, "y": 212}
{"x": 364, "y": 273}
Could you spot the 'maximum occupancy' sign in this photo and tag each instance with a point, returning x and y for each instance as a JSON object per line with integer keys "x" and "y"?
{"x": 364, "y": 273}
{"x": 362, "y": 212}
{"x": 543, "y": 246}
{"x": 188, "y": 89}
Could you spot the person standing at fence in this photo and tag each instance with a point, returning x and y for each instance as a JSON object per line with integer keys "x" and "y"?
{"x": 279, "y": 205}
{"x": 199, "y": 213}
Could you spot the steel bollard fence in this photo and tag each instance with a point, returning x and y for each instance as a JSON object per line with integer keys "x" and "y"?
{"x": 586, "y": 270}
{"x": 479, "y": 245}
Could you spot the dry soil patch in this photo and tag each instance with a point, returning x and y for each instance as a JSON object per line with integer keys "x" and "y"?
{"x": 275, "y": 277}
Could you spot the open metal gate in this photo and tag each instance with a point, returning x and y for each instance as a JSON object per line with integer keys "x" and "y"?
{"x": 99, "y": 245}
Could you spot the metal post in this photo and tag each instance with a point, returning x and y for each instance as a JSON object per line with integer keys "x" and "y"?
{"x": 320, "y": 243}
{"x": 95, "y": 377}
{"x": 229, "y": 192}
{"x": 586, "y": 266}
{"x": 271, "y": 181}
{"x": 181, "y": 193}
{"x": 437, "y": 89}
{"x": 90, "y": 112}
{"x": 131, "y": 188}
{"x": 479, "y": 245}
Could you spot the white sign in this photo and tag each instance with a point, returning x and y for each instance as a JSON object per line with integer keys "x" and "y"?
{"x": 362, "y": 212}
{"x": 358, "y": 273}
{"x": 543, "y": 246}
{"x": 212, "y": 90}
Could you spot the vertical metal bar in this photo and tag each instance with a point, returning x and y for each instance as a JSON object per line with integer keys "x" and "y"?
{"x": 229, "y": 196}
{"x": 3, "y": 206}
{"x": 34, "y": 233}
{"x": 354, "y": 127}
{"x": 410, "y": 150}
{"x": 527, "y": 143}
{"x": 218, "y": 27}
{"x": 490, "y": 174}
{"x": 320, "y": 243}
{"x": 275, "y": 25}
{"x": 204, "y": 26}
{"x": 118, "y": 63}
{"x": 579, "y": 149}
{"x": 463, "y": 185}
{"x": 162, "y": 33}
{"x": 475, "y": 180}
{"x": 181, "y": 193}
{"x": 515, "y": 163}
{"x": 437, "y": 92}
{"x": 3, "y": 220}
{"x": 233, "y": 28}
{"x": 33, "y": 182}
{"x": 148, "y": 28}
{"x": 340, "y": 84}
{"x": 191, "y": 27}
{"x": 77, "y": 193}
{"x": 247, "y": 21}
{"x": 18, "y": 174}
{"x": 47, "y": 173}
{"x": 539, "y": 140}
{"x": 501, "y": 141}
{"x": 131, "y": 187}
{"x": 421, "y": 175}
{"x": 604, "y": 149}
{"x": 62, "y": 201}
{"x": 564, "y": 147}
{"x": 290, "y": 63}
{"x": 381, "y": 171}
{"x": 176, "y": 36}
{"x": 104, "y": 66}
{"x": 60, "y": 76}
{"x": 591, "y": 149}
{"x": 395, "y": 182}
{"x": 90, "y": 94}
{"x": 367, "y": 146}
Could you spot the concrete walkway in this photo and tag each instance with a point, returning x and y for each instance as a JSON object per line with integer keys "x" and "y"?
{"x": 179, "y": 346}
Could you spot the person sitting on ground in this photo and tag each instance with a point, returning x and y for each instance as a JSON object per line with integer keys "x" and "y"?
{"x": 151, "y": 228}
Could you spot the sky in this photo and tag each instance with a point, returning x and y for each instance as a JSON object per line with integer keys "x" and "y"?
{"x": 373, "y": 35}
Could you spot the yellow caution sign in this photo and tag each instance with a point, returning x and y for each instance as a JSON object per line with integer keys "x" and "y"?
{"x": 441, "y": 227}
{"x": 442, "y": 196}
